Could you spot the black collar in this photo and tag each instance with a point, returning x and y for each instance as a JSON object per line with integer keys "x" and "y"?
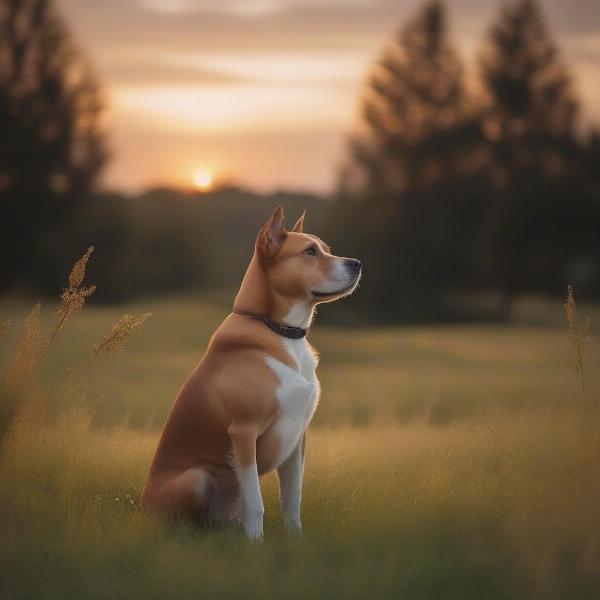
{"x": 287, "y": 331}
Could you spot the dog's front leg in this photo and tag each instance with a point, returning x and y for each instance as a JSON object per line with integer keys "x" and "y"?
{"x": 290, "y": 475}
{"x": 243, "y": 440}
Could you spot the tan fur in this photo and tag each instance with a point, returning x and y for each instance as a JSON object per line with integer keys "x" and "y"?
{"x": 223, "y": 418}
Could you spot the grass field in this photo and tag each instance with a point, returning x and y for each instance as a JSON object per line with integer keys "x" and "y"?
{"x": 453, "y": 462}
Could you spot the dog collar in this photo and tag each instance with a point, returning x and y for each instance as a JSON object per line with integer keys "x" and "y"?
{"x": 287, "y": 331}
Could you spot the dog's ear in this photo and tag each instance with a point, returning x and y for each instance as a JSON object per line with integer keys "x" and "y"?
{"x": 299, "y": 226}
{"x": 273, "y": 234}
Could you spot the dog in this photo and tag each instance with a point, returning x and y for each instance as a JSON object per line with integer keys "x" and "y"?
{"x": 244, "y": 410}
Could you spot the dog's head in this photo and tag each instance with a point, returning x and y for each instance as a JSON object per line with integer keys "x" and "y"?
{"x": 301, "y": 266}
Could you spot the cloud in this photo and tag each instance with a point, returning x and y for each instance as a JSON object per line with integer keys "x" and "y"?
{"x": 289, "y": 25}
{"x": 145, "y": 72}
{"x": 325, "y": 68}
{"x": 191, "y": 110}
{"x": 126, "y": 24}
{"x": 250, "y": 7}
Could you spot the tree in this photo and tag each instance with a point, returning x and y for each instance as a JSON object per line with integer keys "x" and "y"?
{"x": 411, "y": 171}
{"x": 414, "y": 108}
{"x": 51, "y": 143}
{"x": 530, "y": 129}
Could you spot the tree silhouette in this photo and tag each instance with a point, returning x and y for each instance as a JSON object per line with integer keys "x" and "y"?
{"x": 411, "y": 170}
{"x": 414, "y": 107}
{"x": 51, "y": 144}
{"x": 530, "y": 129}
{"x": 530, "y": 90}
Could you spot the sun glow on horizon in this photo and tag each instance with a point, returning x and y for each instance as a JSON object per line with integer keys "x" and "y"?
{"x": 203, "y": 180}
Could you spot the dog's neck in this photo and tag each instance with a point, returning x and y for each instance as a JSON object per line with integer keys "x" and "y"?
{"x": 257, "y": 297}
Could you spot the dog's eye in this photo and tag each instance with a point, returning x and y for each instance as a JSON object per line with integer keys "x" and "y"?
{"x": 312, "y": 251}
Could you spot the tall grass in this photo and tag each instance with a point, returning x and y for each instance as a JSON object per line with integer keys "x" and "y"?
{"x": 17, "y": 387}
{"x": 579, "y": 336}
{"x": 504, "y": 506}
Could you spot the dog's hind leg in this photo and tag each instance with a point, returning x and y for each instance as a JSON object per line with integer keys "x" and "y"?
{"x": 225, "y": 503}
{"x": 187, "y": 493}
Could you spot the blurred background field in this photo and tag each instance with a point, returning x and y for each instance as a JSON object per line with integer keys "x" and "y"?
{"x": 455, "y": 462}
{"x": 441, "y": 375}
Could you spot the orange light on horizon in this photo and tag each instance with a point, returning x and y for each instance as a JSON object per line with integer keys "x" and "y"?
{"x": 202, "y": 180}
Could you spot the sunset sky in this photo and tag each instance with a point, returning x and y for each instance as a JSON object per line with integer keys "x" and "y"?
{"x": 266, "y": 91}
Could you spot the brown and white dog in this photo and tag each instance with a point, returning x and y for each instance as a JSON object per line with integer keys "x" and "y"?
{"x": 244, "y": 410}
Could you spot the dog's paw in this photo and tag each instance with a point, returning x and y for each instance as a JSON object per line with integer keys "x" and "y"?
{"x": 254, "y": 530}
{"x": 293, "y": 526}
{"x": 254, "y": 536}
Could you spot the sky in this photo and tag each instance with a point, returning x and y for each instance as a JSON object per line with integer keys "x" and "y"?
{"x": 266, "y": 92}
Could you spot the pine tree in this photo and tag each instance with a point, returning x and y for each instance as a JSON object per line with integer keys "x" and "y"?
{"x": 409, "y": 182}
{"x": 533, "y": 110}
{"x": 51, "y": 144}
{"x": 530, "y": 130}
{"x": 414, "y": 105}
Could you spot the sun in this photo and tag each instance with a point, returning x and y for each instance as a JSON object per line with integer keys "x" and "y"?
{"x": 202, "y": 180}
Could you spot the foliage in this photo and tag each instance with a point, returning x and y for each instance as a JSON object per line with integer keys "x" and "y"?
{"x": 455, "y": 202}
{"x": 414, "y": 180}
{"x": 529, "y": 127}
{"x": 457, "y": 193}
{"x": 52, "y": 145}
{"x": 415, "y": 109}
{"x": 530, "y": 90}
{"x": 165, "y": 240}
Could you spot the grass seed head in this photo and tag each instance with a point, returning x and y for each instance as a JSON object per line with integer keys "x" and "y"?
{"x": 73, "y": 298}
{"x": 579, "y": 337}
{"x": 115, "y": 340}
{"x": 77, "y": 273}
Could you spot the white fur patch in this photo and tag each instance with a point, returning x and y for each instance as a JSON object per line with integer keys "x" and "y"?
{"x": 253, "y": 508}
{"x": 300, "y": 315}
{"x": 339, "y": 278}
{"x": 298, "y": 395}
{"x": 290, "y": 485}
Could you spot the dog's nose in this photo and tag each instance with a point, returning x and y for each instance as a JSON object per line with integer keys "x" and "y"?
{"x": 354, "y": 265}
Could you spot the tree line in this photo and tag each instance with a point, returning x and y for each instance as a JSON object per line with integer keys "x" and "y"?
{"x": 454, "y": 191}
{"x": 451, "y": 193}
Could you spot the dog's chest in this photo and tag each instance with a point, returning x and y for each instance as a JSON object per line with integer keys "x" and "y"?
{"x": 297, "y": 395}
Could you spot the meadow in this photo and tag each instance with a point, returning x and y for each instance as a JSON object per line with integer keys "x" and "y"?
{"x": 443, "y": 462}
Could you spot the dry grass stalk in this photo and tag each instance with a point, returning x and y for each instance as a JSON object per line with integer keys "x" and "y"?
{"x": 115, "y": 340}
{"x": 78, "y": 271}
{"x": 72, "y": 298}
{"x": 579, "y": 338}
{"x": 34, "y": 345}
{"x": 31, "y": 347}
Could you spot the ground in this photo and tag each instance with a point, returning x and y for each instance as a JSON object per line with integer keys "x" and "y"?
{"x": 454, "y": 462}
